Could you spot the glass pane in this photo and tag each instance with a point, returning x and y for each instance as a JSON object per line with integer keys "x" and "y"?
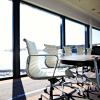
{"x": 38, "y": 26}
{"x": 5, "y": 38}
{"x": 95, "y": 37}
{"x": 75, "y": 35}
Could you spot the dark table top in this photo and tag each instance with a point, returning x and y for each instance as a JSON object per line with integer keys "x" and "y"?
{"x": 79, "y": 60}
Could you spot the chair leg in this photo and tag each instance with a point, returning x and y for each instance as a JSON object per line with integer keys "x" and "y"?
{"x": 99, "y": 93}
{"x": 77, "y": 74}
{"x": 52, "y": 82}
{"x": 63, "y": 80}
{"x": 51, "y": 91}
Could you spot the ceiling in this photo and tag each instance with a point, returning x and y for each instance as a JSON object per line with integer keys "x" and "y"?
{"x": 83, "y": 6}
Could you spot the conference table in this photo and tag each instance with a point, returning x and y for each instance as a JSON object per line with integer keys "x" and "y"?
{"x": 79, "y": 60}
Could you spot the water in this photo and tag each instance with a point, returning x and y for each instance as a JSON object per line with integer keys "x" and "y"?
{"x": 6, "y": 62}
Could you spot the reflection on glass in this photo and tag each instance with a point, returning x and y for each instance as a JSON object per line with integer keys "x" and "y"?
{"x": 5, "y": 38}
{"x": 38, "y": 26}
{"x": 75, "y": 35}
{"x": 95, "y": 37}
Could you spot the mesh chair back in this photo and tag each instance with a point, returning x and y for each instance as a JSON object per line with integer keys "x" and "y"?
{"x": 68, "y": 51}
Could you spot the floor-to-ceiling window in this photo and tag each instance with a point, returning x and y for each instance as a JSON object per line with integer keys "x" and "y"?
{"x": 74, "y": 35}
{"x": 40, "y": 27}
{"x": 6, "y": 38}
{"x": 37, "y": 25}
{"x": 95, "y": 37}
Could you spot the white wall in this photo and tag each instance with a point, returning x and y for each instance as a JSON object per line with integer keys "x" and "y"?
{"x": 53, "y": 6}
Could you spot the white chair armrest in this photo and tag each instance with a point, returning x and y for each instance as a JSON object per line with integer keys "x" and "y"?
{"x": 48, "y": 55}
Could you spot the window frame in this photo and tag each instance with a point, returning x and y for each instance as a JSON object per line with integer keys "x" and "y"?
{"x": 16, "y": 36}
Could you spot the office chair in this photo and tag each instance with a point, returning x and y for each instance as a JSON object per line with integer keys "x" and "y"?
{"x": 35, "y": 72}
{"x": 81, "y": 52}
{"x": 89, "y": 51}
{"x": 84, "y": 68}
{"x": 67, "y": 50}
{"x": 95, "y": 51}
{"x": 96, "y": 81}
{"x": 51, "y": 49}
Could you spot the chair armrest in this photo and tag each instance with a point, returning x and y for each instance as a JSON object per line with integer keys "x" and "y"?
{"x": 48, "y": 55}
{"x": 45, "y": 55}
{"x": 61, "y": 54}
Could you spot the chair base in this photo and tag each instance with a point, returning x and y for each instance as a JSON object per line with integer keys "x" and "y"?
{"x": 57, "y": 97}
{"x": 98, "y": 96}
{"x": 53, "y": 84}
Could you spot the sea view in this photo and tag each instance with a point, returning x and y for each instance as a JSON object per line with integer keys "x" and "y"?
{"x": 6, "y": 62}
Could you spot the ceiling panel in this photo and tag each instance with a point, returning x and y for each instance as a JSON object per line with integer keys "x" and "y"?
{"x": 78, "y": 2}
{"x": 86, "y": 5}
{"x": 96, "y": 2}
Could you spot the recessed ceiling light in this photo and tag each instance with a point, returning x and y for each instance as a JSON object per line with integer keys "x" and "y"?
{"x": 98, "y": 12}
{"x": 93, "y": 9}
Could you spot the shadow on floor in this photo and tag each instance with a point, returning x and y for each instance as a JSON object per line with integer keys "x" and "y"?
{"x": 18, "y": 92}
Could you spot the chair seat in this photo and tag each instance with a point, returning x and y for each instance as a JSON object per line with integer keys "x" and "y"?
{"x": 65, "y": 65}
{"x": 92, "y": 80}
{"x": 41, "y": 74}
{"x": 66, "y": 73}
{"x": 72, "y": 66}
{"x": 57, "y": 73}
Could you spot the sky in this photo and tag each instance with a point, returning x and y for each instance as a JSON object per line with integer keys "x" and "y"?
{"x": 39, "y": 27}
{"x": 5, "y": 24}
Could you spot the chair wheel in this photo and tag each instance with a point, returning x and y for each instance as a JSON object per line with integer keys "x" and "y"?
{"x": 77, "y": 83}
{"x": 79, "y": 93}
{"x": 40, "y": 98}
{"x": 90, "y": 88}
{"x": 98, "y": 96}
{"x": 45, "y": 90}
{"x": 96, "y": 89}
{"x": 84, "y": 96}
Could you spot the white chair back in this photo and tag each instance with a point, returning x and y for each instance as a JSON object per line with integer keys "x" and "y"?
{"x": 67, "y": 50}
{"x": 51, "y": 49}
{"x": 32, "y": 68}
{"x": 50, "y": 60}
{"x": 89, "y": 51}
{"x": 80, "y": 51}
